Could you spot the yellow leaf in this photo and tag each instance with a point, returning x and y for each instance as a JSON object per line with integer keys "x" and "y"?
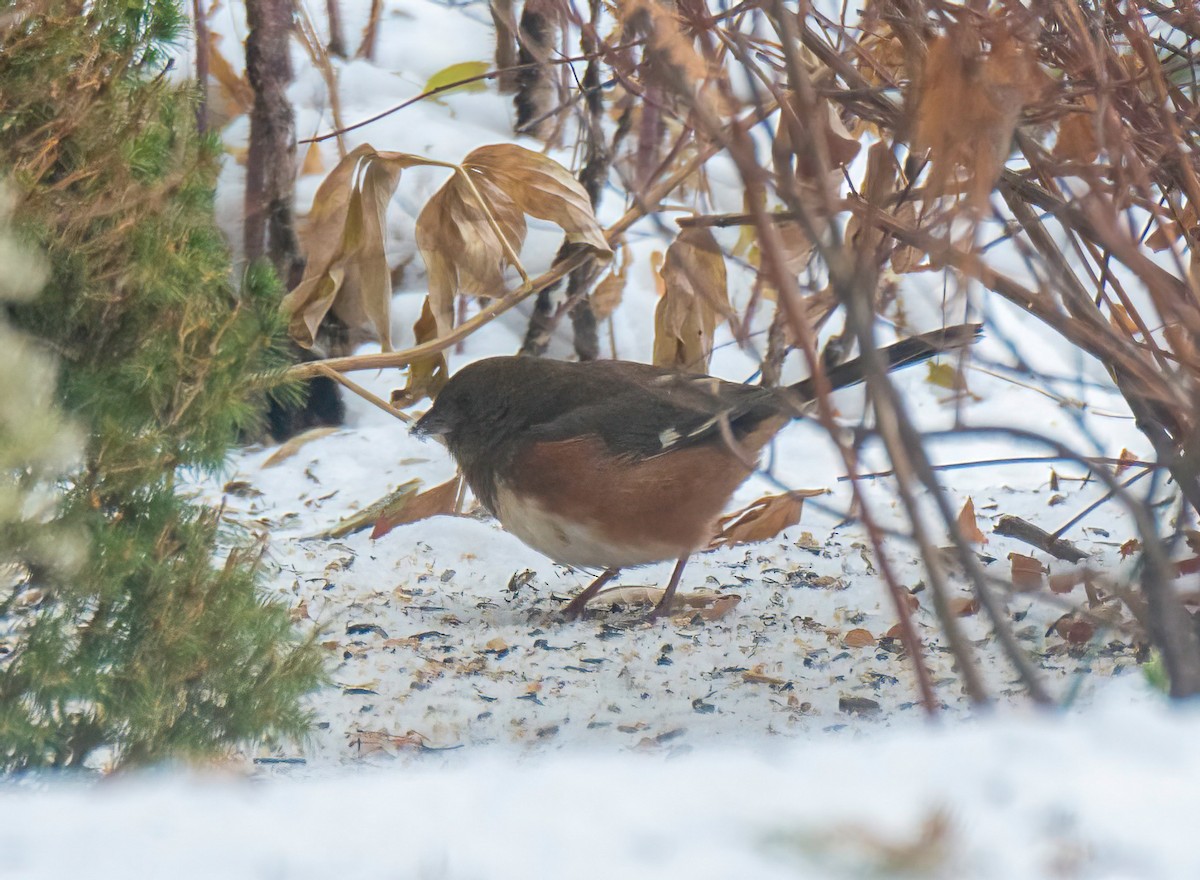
{"x": 312, "y": 160}
{"x": 456, "y": 72}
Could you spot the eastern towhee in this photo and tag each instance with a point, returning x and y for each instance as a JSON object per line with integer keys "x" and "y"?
{"x": 613, "y": 464}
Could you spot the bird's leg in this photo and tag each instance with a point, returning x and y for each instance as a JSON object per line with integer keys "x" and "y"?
{"x": 576, "y": 606}
{"x": 663, "y": 608}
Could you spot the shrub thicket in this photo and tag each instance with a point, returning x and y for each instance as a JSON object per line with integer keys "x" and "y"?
{"x": 149, "y": 647}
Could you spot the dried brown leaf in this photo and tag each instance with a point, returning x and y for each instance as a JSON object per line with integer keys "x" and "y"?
{"x": 368, "y": 516}
{"x": 295, "y": 444}
{"x": 968, "y": 104}
{"x": 763, "y": 519}
{"x": 474, "y": 226}
{"x": 968, "y": 525}
{"x": 1076, "y": 139}
{"x": 426, "y": 375}
{"x": 608, "y": 293}
{"x": 1124, "y": 460}
{"x": 235, "y": 88}
{"x": 342, "y": 237}
{"x": 438, "y": 501}
{"x": 963, "y": 606}
{"x": 1027, "y": 573}
{"x": 858, "y": 638}
{"x": 312, "y": 160}
{"x": 696, "y": 301}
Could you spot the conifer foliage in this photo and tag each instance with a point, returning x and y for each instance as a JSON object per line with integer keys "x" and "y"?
{"x": 157, "y": 643}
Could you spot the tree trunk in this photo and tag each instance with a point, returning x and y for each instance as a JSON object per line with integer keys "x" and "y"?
{"x": 271, "y": 161}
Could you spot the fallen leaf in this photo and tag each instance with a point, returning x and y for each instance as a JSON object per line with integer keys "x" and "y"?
{"x": 438, "y": 501}
{"x": 1066, "y": 581}
{"x": 963, "y": 606}
{"x": 757, "y": 676}
{"x": 763, "y": 519}
{"x": 1027, "y": 573}
{"x": 968, "y": 525}
{"x": 719, "y": 607}
{"x": 1074, "y": 629}
{"x": 858, "y": 638}
{"x": 1133, "y": 545}
{"x": 695, "y": 301}
{"x": 295, "y": 444}
{"x": 368, "y": 516}
{"x": 945, "y": 375}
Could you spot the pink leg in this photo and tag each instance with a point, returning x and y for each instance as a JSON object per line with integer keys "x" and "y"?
{"x": 663, "y": 608}
{"x": 576, "y": 606}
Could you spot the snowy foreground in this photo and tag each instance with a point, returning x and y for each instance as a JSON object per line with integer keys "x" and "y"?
{"x": 1108, "y": 793}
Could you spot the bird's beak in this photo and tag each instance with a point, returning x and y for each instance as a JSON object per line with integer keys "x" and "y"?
{"x": 430, "y": 425}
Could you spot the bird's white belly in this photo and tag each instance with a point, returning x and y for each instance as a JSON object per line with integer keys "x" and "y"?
{"x": 569, "y": 542}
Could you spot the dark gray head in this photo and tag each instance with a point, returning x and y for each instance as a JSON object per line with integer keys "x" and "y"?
{"x": 473, "y": 408}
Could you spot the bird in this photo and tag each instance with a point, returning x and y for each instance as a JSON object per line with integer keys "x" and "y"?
{"x": 609, "y": 464}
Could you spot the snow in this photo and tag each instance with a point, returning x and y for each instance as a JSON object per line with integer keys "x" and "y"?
{"x": 468, "y": 732}
{"x": 1106, "y": 794}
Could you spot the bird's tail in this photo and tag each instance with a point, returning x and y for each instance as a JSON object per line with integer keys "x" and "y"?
{"x": 898, "y": 355}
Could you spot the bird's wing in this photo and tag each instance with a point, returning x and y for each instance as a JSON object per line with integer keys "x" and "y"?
{"x": 641, "y": 411}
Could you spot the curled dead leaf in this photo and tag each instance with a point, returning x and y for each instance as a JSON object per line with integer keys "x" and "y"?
{"x": 343, "y": 239}
{"x": 438, "y": 501}
{"x": 763, "y": 519}
{"x": 695, "y": 301}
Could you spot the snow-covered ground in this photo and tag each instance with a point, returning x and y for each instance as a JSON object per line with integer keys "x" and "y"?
{"x": 1106, "y": 794}
{"x": 469, "y": 733}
